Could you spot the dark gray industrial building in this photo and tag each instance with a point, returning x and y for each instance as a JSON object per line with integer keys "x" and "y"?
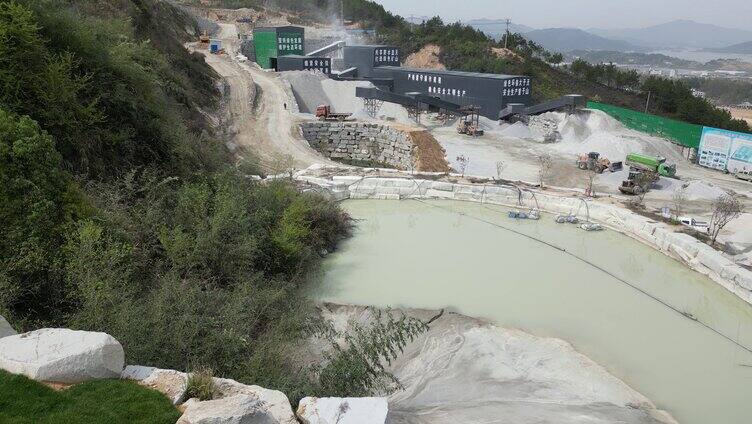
{"x": 490, "y": 92}
{"x": 366, "y": 58}
{"x": 304, "y": 63}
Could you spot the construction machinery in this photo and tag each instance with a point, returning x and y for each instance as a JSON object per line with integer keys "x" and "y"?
{"x": 652, "y": 164}
{"x": 467, "y": 127}
{"x": 204, "y": 38}
{"x": 631, "y": 187}
{"x": 469, "y": 123}
{"x": 638, "y": 182}
{"x": 324, "y": 113}
{"x": 594, "y": 162}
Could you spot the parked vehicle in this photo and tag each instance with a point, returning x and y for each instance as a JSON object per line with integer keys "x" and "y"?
{"x": 324, "y": 113}
{"x": 690, "y": 222}
{"x": 744, "y": 174}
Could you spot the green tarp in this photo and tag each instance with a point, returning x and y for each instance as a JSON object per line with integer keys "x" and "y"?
{"x": 687, "y": 135}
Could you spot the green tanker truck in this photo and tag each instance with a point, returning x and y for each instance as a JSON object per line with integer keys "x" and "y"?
{"x": 651, "y": 164}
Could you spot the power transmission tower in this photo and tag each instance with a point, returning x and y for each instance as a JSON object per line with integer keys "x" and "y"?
{"x": 506, "y": 38}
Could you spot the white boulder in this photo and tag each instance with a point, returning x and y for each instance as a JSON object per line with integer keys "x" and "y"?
{"x": 5, "y": 328}
{"x": 62, "y": 355}
{"x": 168, "y": 382}
{"x": 238, "y": 409}
{"x": 274, "y": 401}
{"x": 313, "y": 410}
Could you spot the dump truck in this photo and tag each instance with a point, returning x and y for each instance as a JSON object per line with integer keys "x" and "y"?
{"x": 594, "y": 162}
{"x": 324, "y": 113}
{"x": 653, "y": 164}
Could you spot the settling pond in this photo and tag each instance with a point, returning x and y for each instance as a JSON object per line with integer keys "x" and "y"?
{"x": 441, "y": 254}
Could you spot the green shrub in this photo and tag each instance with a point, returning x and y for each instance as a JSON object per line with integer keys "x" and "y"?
{"x": 358, "y": 367}
{"x": 38, "y": 202}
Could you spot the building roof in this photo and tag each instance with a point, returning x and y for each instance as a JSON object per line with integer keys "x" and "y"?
{"x": 454, "y": 73}
{"x": 298, "y": 56}
{"x": 279, "y": 28}
{"x": 372, "y": 46}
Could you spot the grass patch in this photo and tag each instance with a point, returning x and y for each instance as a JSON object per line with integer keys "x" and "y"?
{"x": 200, "y": 385}
{"x": 25, "y": 401}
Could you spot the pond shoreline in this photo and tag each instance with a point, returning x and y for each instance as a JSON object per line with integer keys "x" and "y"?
{"x": 345, "y": 183}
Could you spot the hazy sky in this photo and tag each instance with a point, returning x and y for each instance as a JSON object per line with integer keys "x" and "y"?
{"x": 582, "y": 13}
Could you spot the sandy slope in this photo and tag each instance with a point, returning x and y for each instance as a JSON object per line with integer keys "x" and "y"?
{"x": 464, "y": 370}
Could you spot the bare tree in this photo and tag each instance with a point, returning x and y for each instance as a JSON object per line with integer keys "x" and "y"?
{"x": 726, "y": 208}
{"x": 500, "y": 165}
{"x": 462, "y": 162}
{"x": 590, "y": 183}
{"x": 680, "y": 200}
{"x": 544, "y": 171}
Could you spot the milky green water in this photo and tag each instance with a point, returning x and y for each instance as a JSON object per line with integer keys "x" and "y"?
{"x": 411, "y": 254}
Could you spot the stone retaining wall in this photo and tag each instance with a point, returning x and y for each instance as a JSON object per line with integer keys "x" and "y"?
{"x": 361, "y": 142}
{"x": 692, "y": 252}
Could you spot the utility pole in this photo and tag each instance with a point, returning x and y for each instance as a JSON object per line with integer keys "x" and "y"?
{"x": 506, "y": 39}
{"x": 647, "y": 104}
{"x": 342, "y": 12}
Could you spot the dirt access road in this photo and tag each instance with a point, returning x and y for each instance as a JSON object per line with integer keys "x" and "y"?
{"x": 259, "y": 120}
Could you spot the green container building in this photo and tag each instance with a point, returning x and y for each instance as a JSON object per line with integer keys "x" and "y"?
{"x": 271, "y": 43}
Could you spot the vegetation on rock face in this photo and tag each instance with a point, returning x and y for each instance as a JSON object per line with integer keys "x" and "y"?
{"x": 24, "y": 401}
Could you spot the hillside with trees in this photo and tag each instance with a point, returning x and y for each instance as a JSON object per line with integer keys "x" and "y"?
{"x": 123, "y": 212}
{"x": 465, "y": 48}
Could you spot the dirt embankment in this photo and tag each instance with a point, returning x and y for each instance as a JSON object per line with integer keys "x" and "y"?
{"x": 738, "y": 113}
{"x": 426, "y": 58}
{"x": 429, "y": 155}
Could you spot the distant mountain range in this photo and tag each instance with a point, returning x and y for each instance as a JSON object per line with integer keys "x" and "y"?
{"x": 678, "y": 34}
{"x": 497, "y": 27}
{"x": 681, "y": 34}
{"x": 741, "y": 48}
{"x": 568, "y": 39}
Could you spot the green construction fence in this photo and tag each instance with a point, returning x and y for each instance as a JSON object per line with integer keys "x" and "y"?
{"x": 685, "y": 134}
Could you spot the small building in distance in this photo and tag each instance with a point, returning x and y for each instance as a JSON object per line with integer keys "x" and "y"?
{"x": 271, "y": 43}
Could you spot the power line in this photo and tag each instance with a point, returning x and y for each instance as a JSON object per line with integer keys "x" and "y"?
{"x": 593, "y": 265}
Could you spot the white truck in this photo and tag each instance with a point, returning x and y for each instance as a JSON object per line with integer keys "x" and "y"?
{"x": 696, "y": 225}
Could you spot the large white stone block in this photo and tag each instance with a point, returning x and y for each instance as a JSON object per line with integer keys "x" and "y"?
{"x": 5, "y": 328}
{"x": 238, "y": 409}
{"x": 62, "y": 355}
{"x": 343, "y": 410}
